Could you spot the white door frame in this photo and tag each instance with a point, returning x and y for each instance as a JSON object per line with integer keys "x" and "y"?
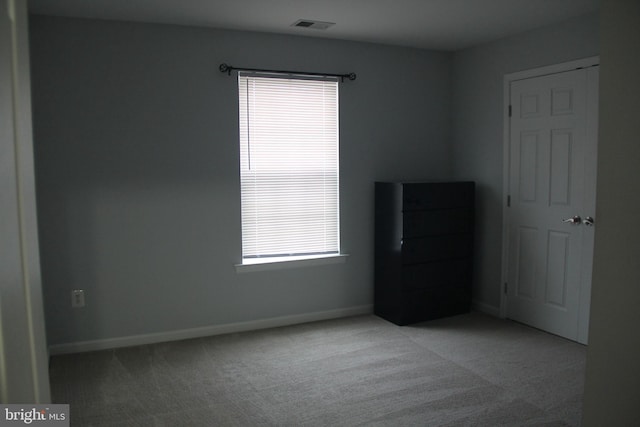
{"x": 24, "y": 360}
{"x": 506, "y": 159}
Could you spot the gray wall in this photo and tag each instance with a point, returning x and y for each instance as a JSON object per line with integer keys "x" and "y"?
{"x": 612, "y": 386}
{"x": 137, "y": 170}
{"x": 477, "y": 131}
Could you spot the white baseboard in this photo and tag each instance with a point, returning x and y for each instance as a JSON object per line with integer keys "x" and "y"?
{"x": 133, "y": 340}
{"x": 486, "y": 308}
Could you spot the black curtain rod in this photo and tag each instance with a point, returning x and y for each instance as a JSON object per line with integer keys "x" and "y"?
{"x": 225, "y": 68}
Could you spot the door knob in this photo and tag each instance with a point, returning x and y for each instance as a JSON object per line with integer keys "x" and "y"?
{"x": 576, "y": 220}
{"x": 588, "y": 221}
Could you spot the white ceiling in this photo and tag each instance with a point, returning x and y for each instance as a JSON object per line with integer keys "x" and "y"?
{"x": 430, "y": 24}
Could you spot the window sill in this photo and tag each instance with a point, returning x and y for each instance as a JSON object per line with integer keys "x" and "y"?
{"x": 289, "y": 262}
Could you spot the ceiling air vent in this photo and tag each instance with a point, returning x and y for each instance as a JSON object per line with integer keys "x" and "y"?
{"x": 316, "y": 25}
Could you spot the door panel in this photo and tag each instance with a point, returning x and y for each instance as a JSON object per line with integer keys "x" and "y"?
{"x": 556, "y": 280}
{"x": 549, "y": 147}
{"x": 560, "y": 176}
{"x": 528, "y": 166}
{"x": 526, "y": 270}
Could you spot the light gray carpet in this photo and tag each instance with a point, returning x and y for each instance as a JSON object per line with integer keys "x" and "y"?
{"x": 468, "y": 370}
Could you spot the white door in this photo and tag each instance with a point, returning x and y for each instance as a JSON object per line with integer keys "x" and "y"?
{"x": 553, "y": 134}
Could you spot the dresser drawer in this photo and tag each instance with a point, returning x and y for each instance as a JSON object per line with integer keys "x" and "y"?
{"x": 427, "y": 304}
{"x": 433, "y": 248}
{"x": 426, "y": 196}
{"x": 442, "y": 221}
{"x": 438, "y": 274}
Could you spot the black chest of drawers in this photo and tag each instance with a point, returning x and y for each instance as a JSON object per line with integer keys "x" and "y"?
{"x": 423, "y": 250}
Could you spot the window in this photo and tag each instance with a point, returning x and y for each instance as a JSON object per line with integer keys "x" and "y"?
{"x": 288, "y": 166}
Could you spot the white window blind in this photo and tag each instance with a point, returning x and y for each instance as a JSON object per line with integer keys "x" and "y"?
{"x": 288, "y": 166}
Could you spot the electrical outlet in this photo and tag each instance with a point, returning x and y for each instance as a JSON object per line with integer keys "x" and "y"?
{"x": 77, "y": 298}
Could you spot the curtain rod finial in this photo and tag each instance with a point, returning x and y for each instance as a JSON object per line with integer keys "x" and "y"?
{"x": 224, "y": 68}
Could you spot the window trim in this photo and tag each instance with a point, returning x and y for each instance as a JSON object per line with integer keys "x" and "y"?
{"x": 289, "y": 262}
{"x": 292, "y": 261}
